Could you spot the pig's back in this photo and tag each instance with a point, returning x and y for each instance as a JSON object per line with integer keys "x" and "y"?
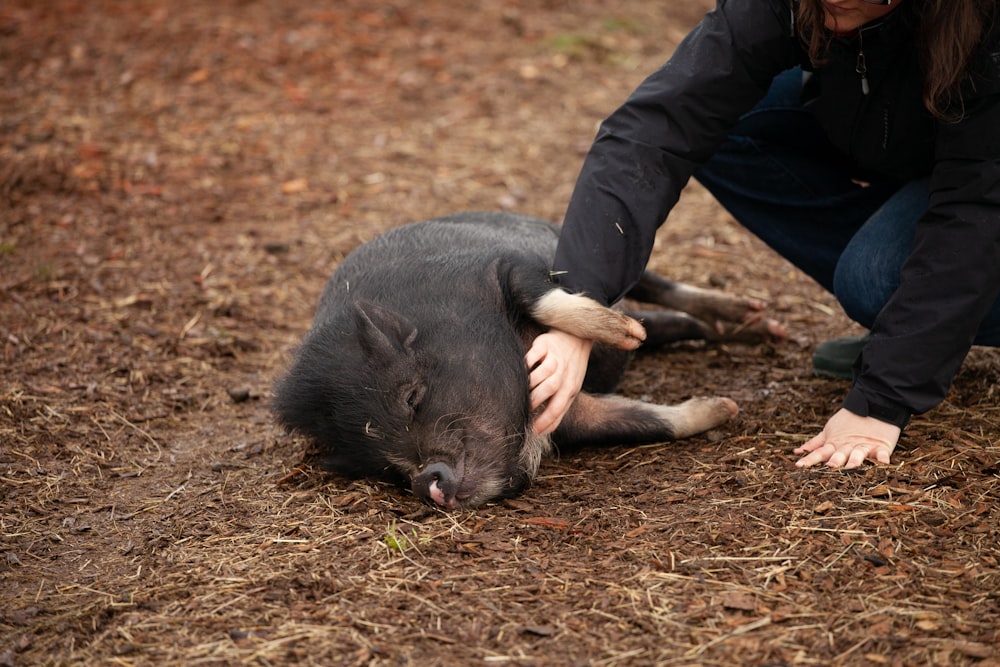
{"x": 479, "y": 236}
{"x": 441, "y": 260}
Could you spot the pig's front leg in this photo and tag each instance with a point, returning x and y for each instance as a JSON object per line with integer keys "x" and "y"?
{"x": 586, "y": 318}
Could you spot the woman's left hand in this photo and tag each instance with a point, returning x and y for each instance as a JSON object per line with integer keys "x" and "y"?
{"x": 848, "y": 439}
{"x": 557, "y": 364}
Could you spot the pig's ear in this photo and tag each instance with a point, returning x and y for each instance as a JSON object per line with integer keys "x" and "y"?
{"x": 383, "y": 331}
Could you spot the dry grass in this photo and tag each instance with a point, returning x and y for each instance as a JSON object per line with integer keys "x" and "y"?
{"x": 178, "y": 181}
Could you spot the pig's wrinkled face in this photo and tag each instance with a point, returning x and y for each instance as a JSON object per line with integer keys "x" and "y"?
{"x": 456, "y": 461}
{"x": 450, "y": 421}
{"x": 454, "y": 423}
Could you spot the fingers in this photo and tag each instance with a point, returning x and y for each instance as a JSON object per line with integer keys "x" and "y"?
{"x": 883, "y": 455}
{"x": 835, "y": 457}
{"x": 543, "y": 384}
{"x": 813, "y": 444}
{"x": 554, "y": 395}
{"x": 856, "y": 457}
{"x": 532, "y": 358}
{"x": 839, "y": 457}
{"x": 845, "y": 456}
{"x": 553, "y": 386}
{"x": 848, "y": 440}
{"x": 817, "y": 450}
{"x": 557, "y": 363}
{"x": 549, "y": 419}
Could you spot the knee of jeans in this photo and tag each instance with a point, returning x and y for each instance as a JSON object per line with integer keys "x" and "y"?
{"x": 860, "y": 291}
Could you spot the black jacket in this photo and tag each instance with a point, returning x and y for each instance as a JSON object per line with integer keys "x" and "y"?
{"x": 646, "y": 151}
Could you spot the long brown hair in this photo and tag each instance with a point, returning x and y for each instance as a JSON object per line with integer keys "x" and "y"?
{"x": 948, "y": 33}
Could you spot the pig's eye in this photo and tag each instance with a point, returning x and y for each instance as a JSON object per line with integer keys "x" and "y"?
{"x": 412, "y": 396}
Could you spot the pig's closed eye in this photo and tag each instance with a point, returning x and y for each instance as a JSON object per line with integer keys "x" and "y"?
{"x": 412, "y": 396}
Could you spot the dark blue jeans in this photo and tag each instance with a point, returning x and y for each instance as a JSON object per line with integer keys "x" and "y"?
{"x": 779, "y": 176}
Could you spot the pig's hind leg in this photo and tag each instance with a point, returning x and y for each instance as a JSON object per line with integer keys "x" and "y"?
{"x": 614, "y": 420}
{"x": 696, "y": 313}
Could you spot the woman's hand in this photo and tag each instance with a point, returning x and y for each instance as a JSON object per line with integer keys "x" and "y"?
{"x": 848, "y": 439}
{"x": 557, "y": 362}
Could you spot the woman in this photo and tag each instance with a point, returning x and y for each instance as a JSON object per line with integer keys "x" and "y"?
{"x": 858, "y": 138}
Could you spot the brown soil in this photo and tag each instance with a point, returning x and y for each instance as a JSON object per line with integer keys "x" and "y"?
{"x": 177, "y": 181}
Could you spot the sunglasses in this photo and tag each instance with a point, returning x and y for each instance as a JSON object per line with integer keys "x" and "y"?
{"x": 884, "y": 3}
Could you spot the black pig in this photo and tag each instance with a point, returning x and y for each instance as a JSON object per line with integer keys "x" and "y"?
{"x": 414, "y": 368}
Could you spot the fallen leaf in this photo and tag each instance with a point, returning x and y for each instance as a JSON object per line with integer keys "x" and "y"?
{"x": 295, "y": 186}
{"x": 198, "y": 76}
{"x": 636, "y": 532}
{"x": 824, "y": 507}
{"x": 548, "y": 522}
{"x": 739, "y": 600}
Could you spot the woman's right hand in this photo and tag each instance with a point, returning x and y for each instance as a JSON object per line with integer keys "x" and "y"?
{"x": 848, "y": 440}
{"x": 557, "y": 364}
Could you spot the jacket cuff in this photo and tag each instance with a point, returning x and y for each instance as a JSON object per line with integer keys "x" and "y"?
{"x": 563, "y": 280}
{"x": 862, "y": 406}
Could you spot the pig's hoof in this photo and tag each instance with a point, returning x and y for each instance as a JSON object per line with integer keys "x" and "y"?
{"x": 697, "y": 415}
{"x": 753, "y": 330}
{"x": 714, "y": 408}
{"x": 730, "y": 406}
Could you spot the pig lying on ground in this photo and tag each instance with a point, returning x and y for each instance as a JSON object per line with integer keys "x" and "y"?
{"x": 414, "y": 368}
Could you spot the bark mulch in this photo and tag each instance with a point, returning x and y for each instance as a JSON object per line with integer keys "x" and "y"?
{"x": 178, "y": 179}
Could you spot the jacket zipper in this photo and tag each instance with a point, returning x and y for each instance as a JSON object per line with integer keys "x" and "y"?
{"x": 885, "y": 126}
{"x": 861, "y": 66}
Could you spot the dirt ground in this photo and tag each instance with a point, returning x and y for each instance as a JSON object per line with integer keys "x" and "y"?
{"x": 178, "y": 179}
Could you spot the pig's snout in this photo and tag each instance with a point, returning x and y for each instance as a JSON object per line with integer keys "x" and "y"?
{"x": 437, "y": 482}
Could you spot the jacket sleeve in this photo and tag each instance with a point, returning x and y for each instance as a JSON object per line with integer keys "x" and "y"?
{"x": 949, "y": 282}
{"x": 646, "y": 151}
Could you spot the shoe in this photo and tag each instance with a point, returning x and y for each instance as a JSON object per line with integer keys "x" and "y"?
{"x": 835, "y": 358}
